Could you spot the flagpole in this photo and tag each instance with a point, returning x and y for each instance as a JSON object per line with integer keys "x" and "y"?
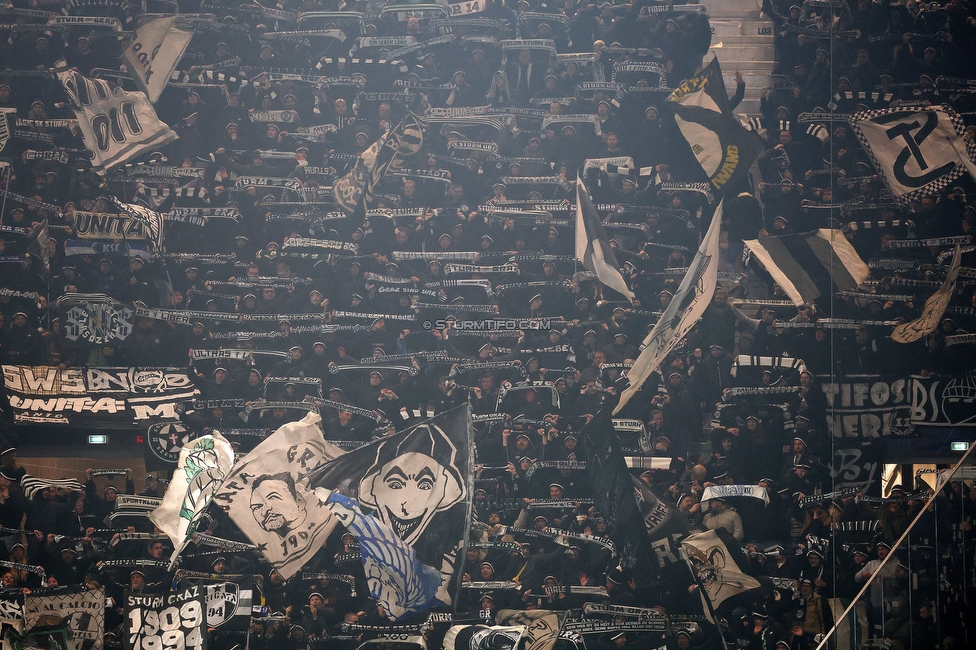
{"x": 704, "y": 597}
{"x": 940, "y": 483}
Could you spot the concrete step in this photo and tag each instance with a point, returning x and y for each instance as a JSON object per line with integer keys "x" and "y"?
{"x": 737, "y": 26}
{"x": 733, "y": 5}
{"x": 739, "y": 39}
{"x": 749, "y": 106}
{"x": 728, "y": 52}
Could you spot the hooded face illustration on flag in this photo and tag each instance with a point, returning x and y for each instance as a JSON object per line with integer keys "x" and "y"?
{"x": 407, "y": 499}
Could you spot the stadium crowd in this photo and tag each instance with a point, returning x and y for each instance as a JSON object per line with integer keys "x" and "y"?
{"x": 578, "y": 89}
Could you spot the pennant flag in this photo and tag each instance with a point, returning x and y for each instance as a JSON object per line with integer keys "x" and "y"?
{"x": 116, "y": 125}
{"x": 810, "y": 265}
{"x": 917, "y": 151}
{"x": 592, "y": 247}
{"x": 717, "y": 562}
{"x": 689, "y": 303}
{"x": 483, "y": 637}
{"x": 417, "y": 488}
{"x": 542, "y": 626}
{"x": 266, "y": 498}
{"x": 154, "y": 53}
{"x": 699, "y": 110}
{"x": 201, "y": 469}
{"x": 385, "y": 156}
{"x": 934, "y": 308}
{"x": 150, "y": 218}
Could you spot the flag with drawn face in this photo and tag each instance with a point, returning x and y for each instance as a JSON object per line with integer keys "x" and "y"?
{"x": 264, "y": 495}
{"x": 415, "y": 486}
{"x": 203, "y": 464}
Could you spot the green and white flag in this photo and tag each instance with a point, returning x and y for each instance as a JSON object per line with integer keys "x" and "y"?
{"x": 203, "y": 464}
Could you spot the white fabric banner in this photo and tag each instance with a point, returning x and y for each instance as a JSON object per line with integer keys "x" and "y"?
{"x": 154, "y": 53}
{"x": 265, "y": 497}
{"x": 917, "y": 151}
{"x": 934, "y": 308}
{"x": 203, "y": 464}
{"x": 689, "y": 303}
{"x": 116, "y": 125}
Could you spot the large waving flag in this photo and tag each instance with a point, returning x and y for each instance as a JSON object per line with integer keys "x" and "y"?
{"x": 592, "y": 246}
{"x": 383, "y": 157}
{"x": 719, "y": 565}
{"x": 810, "y": 265}
{"x": 700, "y": 111}
{"x": 934, "y": 308}
{"x": 684, "y": 310}
{"x": 415, "y": 485}
{"x": 918, "y": 151}
{"x": 154, "y": 53}
{"x": 265, "y": 496}
{"x": 201, "y": 469}
{"x": 117, "y": 126}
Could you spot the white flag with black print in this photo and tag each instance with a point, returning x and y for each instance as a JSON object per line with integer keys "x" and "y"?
{"x": 154, "y": 53}
{"x": 265, "y": 496}
{"x": 934, "y": 308}
{"x": 201, "y": 469}
{"x": 593, "y": 248}
{"x": 917, "y": 151}
{"x": 117, "y": 126}
{"x": 689, "y": 303}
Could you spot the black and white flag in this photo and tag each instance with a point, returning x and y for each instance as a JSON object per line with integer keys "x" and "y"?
{"x": 82, "y": 610}
{"x": 267, "y": 499}
{"x": 689, "y": 303}
{"x": 154, "y": 53}
{"x": 407, "y": 499}
{"x": 699, "y": 110}
{"x": 117, "y": 126}
{"x": 593, "y": 248}
{"x": 917, "y": 151}
{"x": 150, "y": 218}
{"x": 175, "y": 620}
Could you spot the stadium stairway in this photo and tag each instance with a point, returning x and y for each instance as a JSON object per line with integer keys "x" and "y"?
{"x": 742, "y": 40}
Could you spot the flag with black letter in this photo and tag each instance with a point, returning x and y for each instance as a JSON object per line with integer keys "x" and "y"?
{"x": 203, "y": 464}
{"x": 228, "y": 600}
{"x": 917, "y": 151}
{"x": 810, "y": 265}
{"x": 81, "y": 610}
{"x": 116, "y": 125}
{"x": 265, "y": 496}
{"x": 934, "y": 308}
{"x": 174, "y": 620}
{"x": 154, "y": 53}
{"x": 385, "y": 156}
{"x": 407, "y": 499}
{"x": 592, "y": 247}
{"x": 150, "y": 218}
{"x": 684, "y": 310}
{"x": 699, "y": 109}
